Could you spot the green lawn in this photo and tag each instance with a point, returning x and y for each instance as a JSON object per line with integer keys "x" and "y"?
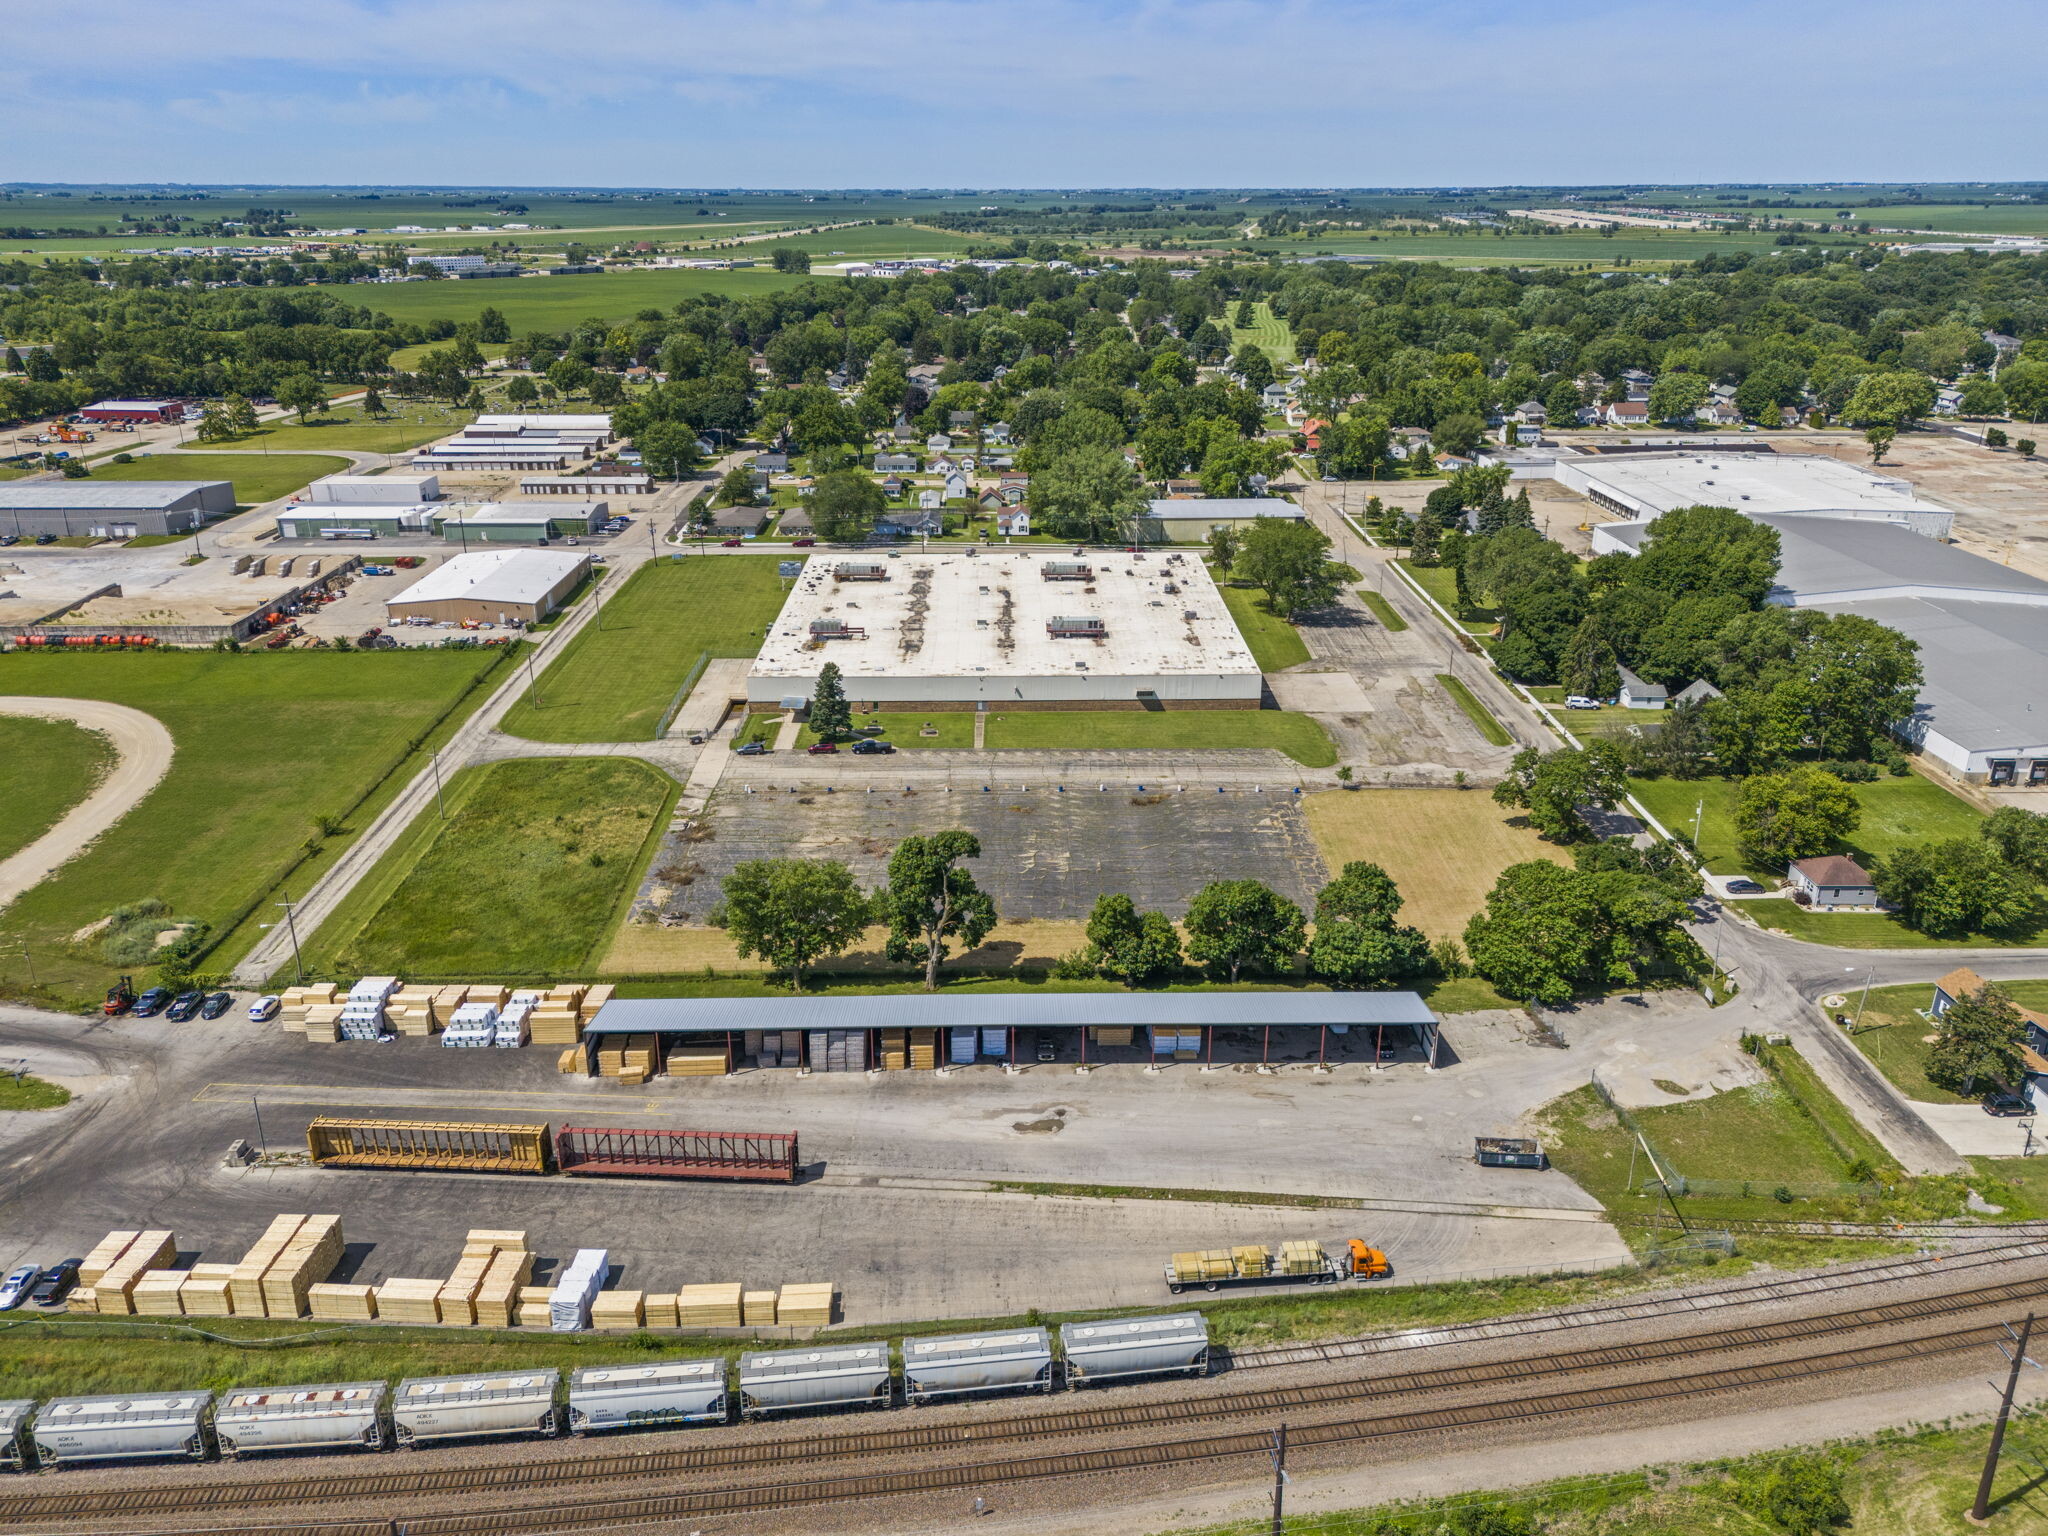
{"x": 526, "y": 877}
{"x": 1895, "y": 812}
{"x": 1382, "y": 610}
{"x": 1172, "y": 730}
{"x": 616, "y": 683}
{"x": 1268, "y": 332}
{"x": 258, "y": 476}
{"x": 46, "y": 767}
{"x": 1475, "y": 711}
{"x": 1893, "y": 1035}
{"x": 558, "y": 303}
{"x": 409, "y": 424}
{"x": 901, "y": 727}
{"x": 1880, "y": 930}
{"x": 265, "y": 743}
{"x": 1276, "y": 644}
{"x": 1441, "y": 583}
{"x": 406, "y": 359}
{"x": 22, "y": 1092}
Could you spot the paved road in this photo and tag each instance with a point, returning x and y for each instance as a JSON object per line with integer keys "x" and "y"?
{"x": 143, "y": 750}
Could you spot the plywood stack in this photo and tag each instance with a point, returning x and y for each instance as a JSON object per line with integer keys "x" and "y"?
{"x": 1253, "y": 1259}
{"x": 497, "y": 1299}
{"x": 533, "y": 1309}
{"x": 1301, "y": 1256}
{"x": 113, "y": 1291}
{"x": 571, "y": 1060}
{"x": 480, "y": 1250}
{"x": 343, "y": 1303}
{"x": 156, "y": 1293}
{"x": 245, "y": 1286}
{"x": 698, "y": 1059}
{"x": 205, "y": 1291}
{"x": 105, "y": 1254}
{"x": 293, "y": 1002}
{"x": 659, "y": 1309}
{"x": 594, "y": 998}
{"x": 616, "y": 1309}
{"x": 306, "y": 1260}
{"x": 497, "y": 997}
{"x": 924, "y": 1049}
{"x": 708, "y": 1306}
{"x": 554, "y": 1026}
{"x": 412, "y": 1011}
{"x": 323, "y": 1022}
{"x": 895, "y": 1050}
{"x": 83, "y": 1298}
{"x": 805, "y": 1306}
{"x": 1109, "y": 1034}
{"x": 447, "y": 1000}
{"x": 409, "y": 1301}
{"x": 757, "y": 1309}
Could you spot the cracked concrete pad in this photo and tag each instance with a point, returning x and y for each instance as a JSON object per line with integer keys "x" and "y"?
{"x": 1319, "y": 693}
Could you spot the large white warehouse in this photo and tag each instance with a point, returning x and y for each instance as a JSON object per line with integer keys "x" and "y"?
{"x": 1011, "y": 629}
{"x": 1644, "y": 485}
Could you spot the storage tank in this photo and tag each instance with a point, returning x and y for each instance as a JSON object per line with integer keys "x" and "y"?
{"x": 973, "y": 1364}
{"x": 454, "y": 1407}
{"x": 1135, "y": 1346}
{"x": 637, "y": 1396}
{"x": 346, "y": 1415}
{"x": 122, "y": 1427}
{"x": 14, "y": 1414}
{"x": 850, "y": 1376}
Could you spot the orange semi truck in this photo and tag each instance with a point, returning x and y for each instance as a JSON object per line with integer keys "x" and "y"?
{"x": 1300, "y": 1261}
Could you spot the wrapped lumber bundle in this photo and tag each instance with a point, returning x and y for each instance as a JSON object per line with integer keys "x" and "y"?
{"x": 205, "y": 1291}
{"x": 594, "y": 998}
{"x": 342, "y": 1303}
{"x": 708, "y": 1306}
{"x": 697, "y": 1060}
{"x": 409, "y": 1301}
{"x": 1301, "y": 1256}
{"x": 895, "y": 1049}
{"x": 245, "y": 1287}
{"x": 323, "y": 1022}
{"x": 806, "y": 1305}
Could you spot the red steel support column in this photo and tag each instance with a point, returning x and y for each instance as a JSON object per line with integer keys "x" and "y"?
{"x": 1322, "y": 1045}
{"x": 728, "y": 1053}
{"x": 1266, "y": 1046}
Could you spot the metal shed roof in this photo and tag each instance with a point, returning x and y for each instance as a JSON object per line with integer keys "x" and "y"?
{"x": 1004, "y": 1010}
{"x": 113, "y": 496}
{"x": 493, "y": 576}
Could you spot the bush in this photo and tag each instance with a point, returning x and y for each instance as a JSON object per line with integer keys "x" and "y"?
{"x": 124, "y": 458}
{"x": 1075, "y": 965}
{"x": 1995, "y": 438}
{"x": 1800, "y": 1494}
{"x": 1850, "y": 773}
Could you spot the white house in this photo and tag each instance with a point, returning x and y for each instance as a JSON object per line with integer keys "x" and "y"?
{"x": 1832, "y": 881}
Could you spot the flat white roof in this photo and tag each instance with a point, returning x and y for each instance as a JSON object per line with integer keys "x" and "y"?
{"x": 494, "y": 576}
{"x": 1226, "y": 507}
{"x": 1749, "y": 482}
{"x": 360, "y": 511}
{"x": 954, "y": 614}
{"x": 522, "y": 511}
{"x": 398, "y": 479}
{"x": 599, "y": 421}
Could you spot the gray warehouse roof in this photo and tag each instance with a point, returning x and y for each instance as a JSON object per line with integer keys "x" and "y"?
{"x": 1226, "y": 506}
{"x": 107, "y": 496}
{"x": 1836, "y": 559}
{"x": 998, "y": 1010}
{"x": 1984, "y": 664}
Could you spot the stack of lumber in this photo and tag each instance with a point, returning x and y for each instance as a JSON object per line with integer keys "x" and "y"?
{"x": 1204, "y": 1264}
{"x": 497, "y": 1299}
{"x": 701, "y": 1060}
{"x": 205, "y": 1291}
{"x": 447, "y": 1000}
{"x": 708, "y": 1306}
{"x": 104, "y": 1256}
{"x": 480, "y": 1252}
{"x": 616, "y": 1309}
{"x": 1301, "y": 1256}
{"x": 323, "y": 1022}
{"x": 308, "y": 1258}
{"x": 571, "y": 1059}
{"x": 245, "y": 1287}
{"x": 1109, "y": 1034}
{"x": 156, "y": 1293}
{"x": 294, "y": 1001}
{"x": 659, "y": 1309}
{"x": 757, "y": 1309}
{"x": 895, "y": 1049}
{"x": 634, "y": 1058}
{"x": 557, "y": 1019}
{"x": 1253, "y": 1259}
{"x": 594, "y": 998}
{"x": 924, "y": 1049}
{"x": 534, "y": 1310}
{"x": 83, "y": 1298}
{"x": 342, "y": 1303}
{"x": 805, "y": 1306}
{"x": 113, "y": 1291}
{"x": 409, "y": 1301}
{"x": 412, "y": 1011}
{"x": 497, "y": 997}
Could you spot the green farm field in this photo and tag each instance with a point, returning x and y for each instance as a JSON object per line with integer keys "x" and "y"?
{"x": 615, "y": 683}
{"x": 46, "y": 767}
{"x": 258, "y": 476}
{"x": 266, "y": 743}
{"x": 1574, "y": 246}
{"x": 527, "y": 875}
{"x": 410, "y": 424}
{"x": 1268, "y": 332}
{"x": 557, "y": 303}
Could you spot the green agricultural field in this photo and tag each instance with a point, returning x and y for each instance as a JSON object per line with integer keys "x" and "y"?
{"x": 616, "y": 682}
{"x": 258, "y": 477}
{"x": 557, "y": 303}
{"x": 1268, "y": 332}
{"x": 1275, "y": 644}
{"x": 409, "y": 424}
{"x": 527, "y": 876}
{"x": 1895, "y": 812}
{"x": 406, "y": 359}
{"x": 1641, "y": 247}
{"x": 46, "y": 767}
{"x": 266, "y": 743}
{"x": 1172, "y": 730}
{"x": 867, "y": 243}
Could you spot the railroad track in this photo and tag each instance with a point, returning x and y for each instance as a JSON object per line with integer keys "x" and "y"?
{"x": 656, "y": 1508}
{"x": 390, "y": 1483}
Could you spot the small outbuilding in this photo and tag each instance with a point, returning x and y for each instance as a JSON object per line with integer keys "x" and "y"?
{"x": 1636, "y": 693}
{"x": 498, "y": 586}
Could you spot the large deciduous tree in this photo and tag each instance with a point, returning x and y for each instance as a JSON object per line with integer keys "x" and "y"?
{"x": 1553, "y": 787}
{"x": 1955, "y": 887}
{"x": 1978, "y": 1036}
{"x": 1137, "y": 948}
{"x": 1289, "y": 561}
{"x": 1803, "y": 811}
{"x": 844, "y": 505}
{"x": 930, "y": 903}
{"x": 790, "y": 912}
{"x": 1234, "y": 924}
{"x": 1358, "y": 941}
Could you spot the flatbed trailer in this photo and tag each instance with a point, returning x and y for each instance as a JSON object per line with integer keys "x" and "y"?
{"x": 622, "y": 1152}
{"x": 1296, "y": 1263}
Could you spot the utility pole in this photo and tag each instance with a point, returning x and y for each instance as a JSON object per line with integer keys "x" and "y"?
{"x": 291, "y": 927}
{"x": 29, "y": 961}
{"x": 1980, "y": 1512}
{"x": 438, "y": 801}
{"x": 532, "y": 686}
{"x": 1280, "y": 1480}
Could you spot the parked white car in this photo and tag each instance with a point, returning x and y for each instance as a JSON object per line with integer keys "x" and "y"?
{"x": 264, "y": 1008}
{"x": 1580, "y": 701}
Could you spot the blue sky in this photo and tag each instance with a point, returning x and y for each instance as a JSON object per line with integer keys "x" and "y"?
{"x": 1025, "y": 93}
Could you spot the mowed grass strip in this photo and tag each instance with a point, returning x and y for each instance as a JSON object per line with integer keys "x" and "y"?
{"x": 900, "y": 728}
{"x": 1382, "y": 610}
{"x": 258, "y": 476}
{"x": 46, "y": 767}
{"x": 614, "y": 683}
{"x": 1172, "y": 730}
{"x": 265, "y": 743}
{"x": 409, "y": 424}
{"x": 1275, "y": 644}
{"x": 1268, "y": 332}
{"x": 524, "y": 878}
{"x": 1444, "y": 848}
{"x": 1475, "y": 711}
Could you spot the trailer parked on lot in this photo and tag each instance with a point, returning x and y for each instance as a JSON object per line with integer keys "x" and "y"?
{"x": 775, "y": 1381}
{"x": 456, "y": 1407}
{"x": 337, "y": 1141}
{"x": 974, "y": 1364}
{"x": 1135, "y": 1346}
{"x": 120, "y": 1427}
{"x": 14, "y": 1414}
{"x": 592, "y": 1151}
{"x": 641, "y": 1396}
{"x": 341, "y": 1416}
{"x": 1298, "y": 1261}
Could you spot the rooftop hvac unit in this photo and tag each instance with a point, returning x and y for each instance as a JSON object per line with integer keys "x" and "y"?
{"x": 1076, "y": 628}
{"x": 861, "y": 570}
{"x": 835, "y": 629}
{"x": 1066, "y": 570}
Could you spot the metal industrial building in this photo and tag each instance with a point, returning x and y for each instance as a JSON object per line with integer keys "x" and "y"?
{"x": 111, "y": 509}
{"x": 1010, "y": 629}
{"x": 153, "y": 412}
{"x": 356, "y": 522}
{"x": 1640, "y": 486}
{"x": 1182, "y": 520}
{"x": 374, "y": 490}
{"x": 1387, "y": 1018}
{"x": 499, "y": 586}
{"x": 511, "y": 522}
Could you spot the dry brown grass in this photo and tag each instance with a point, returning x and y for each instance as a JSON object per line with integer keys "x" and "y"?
{"x": 1443, "y": 847}
{"x": 648, "y": 950}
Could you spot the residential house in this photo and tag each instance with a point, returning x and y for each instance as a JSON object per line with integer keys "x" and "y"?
{"x": 1530, "y": 413}
{"x": 942, "y": 465}
{"x": 1832, "y": 881}
{"x": 903, "y": 431}
{"x": 1637, "y": 383}
{"x": 999, "y": 433}
{"x": 1182, "y": 490}
{"x": 990, "y": 500}
{"x": 1312, "y": 433}
{"x": 1015, "y": 523}
{"x": 957, "y": 487}
{"x": 2005, "y": 346}
{"x": 738, "y": 522}
{"x": 835, "y": 380}
{"x": 892, "y": 487}
{"x": 1791, "y": 416}
{"x": 1964, "y": 982}
{"x": 796, "y": 523}
{"x": 929, "y": 500}
{"x": 895, "y": 463}
{"x": 1628, "y": 413}
{"x": 967, "y": 462}
{"x": 1695, "y": 693}
{"x": 960, "y": 421}
{"x": 1718, "y": 413}
{"x": 1948, "y": 401}
{"x": 1011, "y": 493}
{"x": 1274, "y": 396}
{"x": 938, "y": 442}
{"x": 772, "y": 463}
{"x": 999, "y": 461}
{"x": 926, "y": 522}
{"x": 1638, "y": 694}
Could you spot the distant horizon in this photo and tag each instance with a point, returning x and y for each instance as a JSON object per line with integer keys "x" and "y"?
{"x": 1960, "y": 185}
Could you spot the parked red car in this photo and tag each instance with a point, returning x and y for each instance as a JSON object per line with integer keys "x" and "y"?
{"x": 729, "y": 543}
{"x": 801, "y": 543}
{"x": 822, "y": 746}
